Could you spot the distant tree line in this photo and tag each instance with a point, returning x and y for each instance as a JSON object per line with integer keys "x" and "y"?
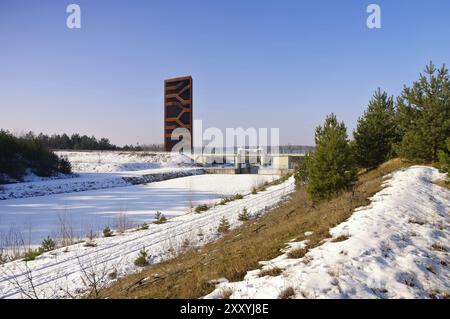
{"x": 86, "y": 143}
{"x": 22, "y": 155}
{"x": 73, "y": 142}
{"x": 414, "y": 127}
{"x": 145, "y": 147}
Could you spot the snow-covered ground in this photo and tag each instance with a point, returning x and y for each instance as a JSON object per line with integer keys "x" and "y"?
{"x": 39, "y": 217}
{"x": 397, "y": 247}
{"x": 64, "y": 273}
{"x": 120, "y": 161}
{"x": 102, "y": 170}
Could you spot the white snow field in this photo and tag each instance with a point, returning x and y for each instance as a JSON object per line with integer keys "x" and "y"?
{"x": 119, "y": 161}
{"x": 38, "y": 217}
{"x": 66, "y": 273}
{"x": 101, "y": 170}
{"x": 397, "y": 247}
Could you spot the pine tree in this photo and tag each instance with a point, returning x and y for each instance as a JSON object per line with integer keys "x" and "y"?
{"x": 301, "y": 170}
{"x": 423, "y": 115}
{"x": 376, "y": 132}
{"x": 244, "y": 215}
{"x": 224, "y": 225}
{"x": 142, "y": 258}
{"x": 331, "y": 167}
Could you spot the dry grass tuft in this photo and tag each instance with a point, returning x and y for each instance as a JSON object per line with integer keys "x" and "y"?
{"x": 443, "y": 183}
{"x": 439, "y": 247}
{"x": 226, "y": 293}
{"x": 340, "y": 238}
{"x": 287, "y": 293}
{"x": 416, "y": 221}
{"x": 297, "y": 253}
{"x": 273, "y": 272}
{"x": 231, "y": 256}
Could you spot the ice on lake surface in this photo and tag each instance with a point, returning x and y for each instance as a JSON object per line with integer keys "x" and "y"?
{"x": 39, "y": 217}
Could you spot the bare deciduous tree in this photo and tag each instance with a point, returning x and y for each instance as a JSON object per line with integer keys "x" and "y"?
{"x": 122, "y": 222}
{"x": 66, "y": 234}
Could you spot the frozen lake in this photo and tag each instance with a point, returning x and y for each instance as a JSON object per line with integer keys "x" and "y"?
{"x": 36, "y": 218}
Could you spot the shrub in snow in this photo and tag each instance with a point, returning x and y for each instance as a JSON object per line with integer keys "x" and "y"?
{"x": 142, "y": 258}
{"x": 254, "y": 191}
{"x": 186, "y": 243}
{"x": 244, "y": 216}
{"x": 224, "y": 225}
{"x": 238, "y": 196}
{"x": 48, "y": 244}
{"x": 287, "y": 293}
{"x": 91, "y": 235}
{"x": 64, "y": 165}
{"x": 226, "y": 293}
{"x": 201, "y": 208}
{"x": 275, "y": 271}
{"x": 160, "y": 218}
{"x": 144, "y": 226}
{"x": 31, "y": 254}
{"x": 107, "y": 232}
{"x": 90, "y": 243}
{"x": 278, "y": 181}
{"x": 226, "y": 200}
{"x": 113, "y": 274}
{"x": 297, "y": 253}
{"x": 3, "y": 258}
{"x": 223, "y": 201}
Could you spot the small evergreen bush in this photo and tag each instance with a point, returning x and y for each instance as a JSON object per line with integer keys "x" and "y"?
{"x": 160, "y": 218}
{"x": 31, "y": 254}
{"x": 144, "y": 226}
{"x": 224, "y": 225}
{"x": 244, "y": 216}
{"x": 142, "y": 258}
{"x": 48, "y": 244}
{"x": 201, "y": 208}
{"x": 107, "y": 232}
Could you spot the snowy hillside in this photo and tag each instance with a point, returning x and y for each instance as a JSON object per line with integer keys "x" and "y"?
{"x": 102, "y": 170}
{"x": 397, "y": 247}
{"x": 119, "y": 161}
{"x": 65, "y": 273}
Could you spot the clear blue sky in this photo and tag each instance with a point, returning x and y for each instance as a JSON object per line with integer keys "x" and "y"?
{"x": 255, "y": 63}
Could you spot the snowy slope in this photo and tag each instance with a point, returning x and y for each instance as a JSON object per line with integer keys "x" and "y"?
{"x": 398, "y": 247}
{"x": 62, "y": 273}
{"x": 118, "y": 161}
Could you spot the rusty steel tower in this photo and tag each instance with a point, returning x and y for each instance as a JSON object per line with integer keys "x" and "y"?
{"x": 177, "y": 109}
